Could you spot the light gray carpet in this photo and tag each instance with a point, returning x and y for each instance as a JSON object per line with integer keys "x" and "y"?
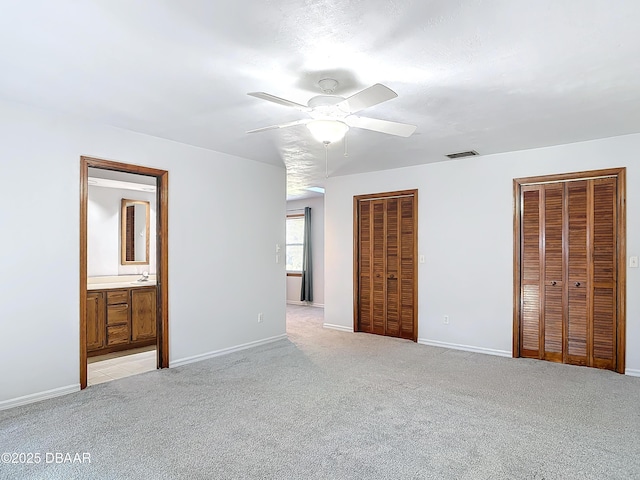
{"x": 333, "y": 405}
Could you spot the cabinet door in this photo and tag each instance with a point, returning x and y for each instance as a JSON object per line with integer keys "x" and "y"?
{"x": 143, "y": 314}
{"x": 95, "y": 320}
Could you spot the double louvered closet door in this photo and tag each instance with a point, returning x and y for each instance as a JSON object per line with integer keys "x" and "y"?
{"x": 569, "y": 251}
{"x": 385, "y": 264}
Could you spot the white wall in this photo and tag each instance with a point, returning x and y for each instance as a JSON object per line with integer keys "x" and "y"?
{"x": 317, "y": 251}
{"x": 221, "y": 262}
{"x": 103, "y": 231}
{"x": 465, "y": 231}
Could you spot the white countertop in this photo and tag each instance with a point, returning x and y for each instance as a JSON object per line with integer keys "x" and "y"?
{"x": 119, "y": 281}
{"x": 114, "y": 285}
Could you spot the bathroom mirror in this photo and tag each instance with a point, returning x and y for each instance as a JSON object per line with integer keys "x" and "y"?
{"x": 134, "y": 234}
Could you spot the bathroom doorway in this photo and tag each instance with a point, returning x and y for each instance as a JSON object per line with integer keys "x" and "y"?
{"x": 129, "y": 310}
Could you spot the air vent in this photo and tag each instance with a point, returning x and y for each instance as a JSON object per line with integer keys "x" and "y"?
{"x": 470, "y": 153}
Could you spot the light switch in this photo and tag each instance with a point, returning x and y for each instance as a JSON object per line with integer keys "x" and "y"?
{"x": 633, "y": 262}
{"x": 277, "y": 258}
{"x": 421, "y": 258}
{"x": 277, "y": 248}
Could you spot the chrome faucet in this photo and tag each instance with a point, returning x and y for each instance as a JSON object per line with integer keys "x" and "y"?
{"x": 144, "y": 277}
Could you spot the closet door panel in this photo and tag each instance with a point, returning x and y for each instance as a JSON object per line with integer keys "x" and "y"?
{"x": 365, "y": 322}
{"x": 578, "y": 267}
{"x": 407, "y": 273}
{"x": 392, "y": 272}
{"x": 378, "y": 281}
{"x": 604, "y": 273}
{"x": 553, "y": 307}
{"x": 530, "y": 271}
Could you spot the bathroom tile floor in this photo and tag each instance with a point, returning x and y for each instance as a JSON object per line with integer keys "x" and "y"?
{"x": 112, "y": 366}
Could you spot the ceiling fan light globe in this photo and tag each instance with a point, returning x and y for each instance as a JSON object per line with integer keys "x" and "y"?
{"x": 327, "y": 131}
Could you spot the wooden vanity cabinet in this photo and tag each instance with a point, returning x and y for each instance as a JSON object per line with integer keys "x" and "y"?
{"x": 95, "y": 320}
{"x": 118, "y": 332}
{"x": 143, "y": 314}
{"x": 120, "y": 319}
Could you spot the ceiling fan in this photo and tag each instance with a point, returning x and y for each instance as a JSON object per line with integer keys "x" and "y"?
{"x": 332, "y": 115}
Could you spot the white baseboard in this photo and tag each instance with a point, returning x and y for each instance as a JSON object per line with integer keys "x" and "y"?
{"x": 632, "y": 372}
{"x": 37, "y": 397}
{"x": 305, "y": 304}
{"x": 342, "y": 328}
{"x": 466, "y": 348}
{"x": 225, "y": 351}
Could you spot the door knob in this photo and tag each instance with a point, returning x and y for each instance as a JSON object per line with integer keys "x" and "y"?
{"x": 392, "y": 276}
{"x": 577, "y": 284}
{"x": 553, "y": 284}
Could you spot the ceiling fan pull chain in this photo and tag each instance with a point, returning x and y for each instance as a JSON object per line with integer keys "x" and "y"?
{"x": 326, "y": 159}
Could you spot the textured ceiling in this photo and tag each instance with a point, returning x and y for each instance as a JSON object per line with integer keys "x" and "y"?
{"x": 492, "y": 76}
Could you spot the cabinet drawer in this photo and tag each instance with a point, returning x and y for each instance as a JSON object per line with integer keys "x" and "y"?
{"x": 117, "y": 296}
{"x": 118, "y": 334}
{"x": 117, "y": 314}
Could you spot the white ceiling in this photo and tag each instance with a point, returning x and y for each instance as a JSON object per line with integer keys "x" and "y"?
{"x": 492, "y": 76}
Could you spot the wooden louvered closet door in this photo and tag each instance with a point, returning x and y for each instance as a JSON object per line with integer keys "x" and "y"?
{"x": 552, "y": 267}
{"x": 542, "y": 272}
{"x": 603, "y": 306}
{"x": 578, "y": 272}
{"x": 568, "y": 272}
{"x": 385, "y": 290}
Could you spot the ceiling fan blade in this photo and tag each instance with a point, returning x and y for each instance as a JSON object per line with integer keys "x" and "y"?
{"x": 383, "y": 126}
{"x": 279, "y": 101}
{"x": 282, "y": 125}
{"x": 366, "y": 98}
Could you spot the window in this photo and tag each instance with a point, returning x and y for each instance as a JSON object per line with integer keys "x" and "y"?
{"x": 295, "y": 242}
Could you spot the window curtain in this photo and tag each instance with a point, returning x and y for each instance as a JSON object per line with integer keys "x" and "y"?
{"x": 306, "y": 289}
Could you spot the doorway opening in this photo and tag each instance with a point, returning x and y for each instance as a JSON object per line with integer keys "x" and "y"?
{"x": 126, "y": 310}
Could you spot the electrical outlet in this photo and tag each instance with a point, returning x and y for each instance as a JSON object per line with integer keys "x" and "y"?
{"x": 633, "y": 262}
{"x": 445, "y": 319}
{"x": 260, "y": 317}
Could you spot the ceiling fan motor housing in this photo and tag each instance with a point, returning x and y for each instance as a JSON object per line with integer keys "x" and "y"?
{"x": 323, "y": 106}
